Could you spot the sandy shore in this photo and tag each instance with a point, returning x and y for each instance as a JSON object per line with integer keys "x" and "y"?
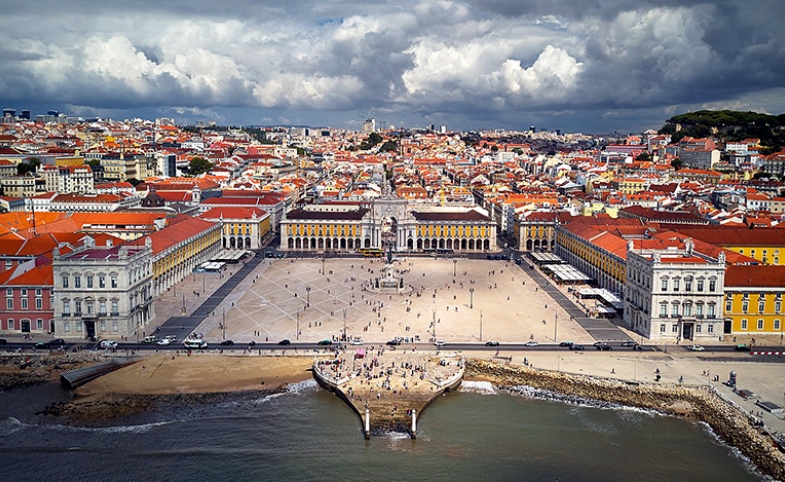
{"x": 168, "y": 375}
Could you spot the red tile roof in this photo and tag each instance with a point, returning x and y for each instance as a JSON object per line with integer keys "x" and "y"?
{"x": 755, "y": 276}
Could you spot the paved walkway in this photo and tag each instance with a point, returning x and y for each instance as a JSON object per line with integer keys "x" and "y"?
{"x": 599, "y": 328}
{"x": 183, "y": 324}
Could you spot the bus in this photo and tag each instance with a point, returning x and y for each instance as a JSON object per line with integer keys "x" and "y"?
{"x": 371, "y": 252}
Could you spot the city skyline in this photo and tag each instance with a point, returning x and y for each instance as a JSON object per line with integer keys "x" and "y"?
{"x": 468, "y": 65}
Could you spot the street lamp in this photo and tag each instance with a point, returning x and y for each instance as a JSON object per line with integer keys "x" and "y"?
{"x": 480, "y": 325}
{"x": 454, "y": 266}
{"x": 322, "y": 265}
{"x": 471, "y": 298}
{"x": 223, "y": 322}
{"x": 297, "y": 327}
{"x": 308, "y": 296}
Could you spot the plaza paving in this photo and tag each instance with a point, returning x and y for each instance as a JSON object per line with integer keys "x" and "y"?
{"x": 506, "y": 302}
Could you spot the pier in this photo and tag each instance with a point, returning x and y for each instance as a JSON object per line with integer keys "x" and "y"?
{"x": 389, "y": 388}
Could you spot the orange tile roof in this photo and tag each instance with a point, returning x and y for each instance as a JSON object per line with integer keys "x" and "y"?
{"x": 180, "y": 228}
{"x": 41, "y": 275}
{"x": 230, "y": 212}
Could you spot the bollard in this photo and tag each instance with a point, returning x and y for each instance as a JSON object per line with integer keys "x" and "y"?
{"x": 414, "y": 423}
{"x": 367, "y": 424}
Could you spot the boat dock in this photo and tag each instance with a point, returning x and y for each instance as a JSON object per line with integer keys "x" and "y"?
{"x": 389, "y": 388}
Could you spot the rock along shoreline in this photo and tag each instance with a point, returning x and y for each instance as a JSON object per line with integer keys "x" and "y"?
{"x": 699, "y": 403}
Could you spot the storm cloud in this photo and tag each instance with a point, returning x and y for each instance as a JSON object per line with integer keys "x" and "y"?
{"x": 579, "y": 65}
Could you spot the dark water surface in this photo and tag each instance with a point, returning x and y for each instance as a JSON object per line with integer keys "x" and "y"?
{"x": 308, "y": 434}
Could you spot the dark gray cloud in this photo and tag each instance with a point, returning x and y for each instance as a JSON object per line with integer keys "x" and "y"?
{"x": 573, "y": 64}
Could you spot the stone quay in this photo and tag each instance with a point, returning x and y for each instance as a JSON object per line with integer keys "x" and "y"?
{"x": 387, "y": 387}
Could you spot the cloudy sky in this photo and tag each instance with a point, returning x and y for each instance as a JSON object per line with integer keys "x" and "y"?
{"x": 577, "y": 65}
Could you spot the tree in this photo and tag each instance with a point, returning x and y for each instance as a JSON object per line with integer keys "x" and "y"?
{"x": 134, "y": 181}
{"x": 30, "y": 164}
{"x": 676, "y": 163}
{"x": 199, "y": 165}
{"x": 494, "y": 149}
{"x": 372, "y": 140}
{"x": 388, "y": 146}
{"x": 643, "y": 156}
{"x": 93, "y": 163}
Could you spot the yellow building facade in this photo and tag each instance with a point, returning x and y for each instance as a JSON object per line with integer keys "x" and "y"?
{"x": 754, "y": 300}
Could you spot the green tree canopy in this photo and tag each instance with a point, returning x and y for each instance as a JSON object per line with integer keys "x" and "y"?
{"x": 30, "y": 164}
{"x": 199, "y": 165}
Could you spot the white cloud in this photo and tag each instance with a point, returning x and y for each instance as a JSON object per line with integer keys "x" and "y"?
{"x": 488, "y": 59}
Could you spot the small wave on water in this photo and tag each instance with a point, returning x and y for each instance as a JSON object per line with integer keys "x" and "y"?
{"x": 397, "y": 435}
{"x": 483, "y": 388}
{"x": 267, "y": 398}
{"x": 573, "y": 400}
{"x": 305, "y": 386}
{"x": 10, "y": 425}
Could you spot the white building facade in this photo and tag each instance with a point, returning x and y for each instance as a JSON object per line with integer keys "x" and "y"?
{"x": 674, "y": 294}
{"x": 103, "y": 291}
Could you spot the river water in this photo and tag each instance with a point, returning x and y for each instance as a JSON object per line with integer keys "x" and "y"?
{"x": 476, "y": 434}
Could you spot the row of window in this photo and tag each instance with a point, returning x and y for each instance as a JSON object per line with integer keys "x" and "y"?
{"x": 39, "y": 304}
{"x": 90, "y": 307}
{"x": 761, "y": 325}
{"x": 686, "y": 310}
{"x": 675, "y": 328}
{"x": 39, "y": 323}
{"x": 78, "y": 326}
{"x": 89, "y": 281}
{"x": 745, "y": 306}
{"x": 688, "y": 284}
{"x": 23, "y": 292}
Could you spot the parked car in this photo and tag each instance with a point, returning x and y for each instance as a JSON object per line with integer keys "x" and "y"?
{"x": 439, "y": 343}
{"x": 227, "y": 343}
{"x": 492, "y": 343}
{"x": 604, "y": 347}
{"x": 164, "y": 342}
{"x": 3, "y": 341}
{"x": 393, "y": 342}
{"x": 57, "y": 342}
{"x": 742, "y": 347}
{"x": 41, "y": 344}
{"x": 325, "y": 343}
{"x": 108, "y": 344}
{"x": 697, "y": 348}
{"x": 531, "y": 343}
{"x": 284, "y": 342}
{"x": 150, "y": 339}
{"x": 629, "y": 343}
{"x": 566, "y": 343}
{"x": 577, "y": 347}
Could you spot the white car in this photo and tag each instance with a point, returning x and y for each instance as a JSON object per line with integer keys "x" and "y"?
{"x": 108, "y": 344}
{"x": 439, "y": 343}
{"x": 191, "y": 343}
{"x": 532, "y": 343}
{"x": 697, "y": 348}
{"x": 356, "y": 341}
{"x": 165, "y": 341}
